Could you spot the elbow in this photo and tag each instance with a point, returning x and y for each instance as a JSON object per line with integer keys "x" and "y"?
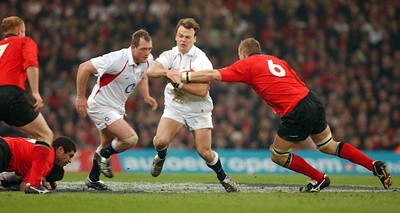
{"x": 150, "y": 73}
{"x": 203, "y": 93}
{"x": 82, "y": 67}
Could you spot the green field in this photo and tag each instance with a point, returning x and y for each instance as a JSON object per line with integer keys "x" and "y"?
{"x": 325, "y": 201}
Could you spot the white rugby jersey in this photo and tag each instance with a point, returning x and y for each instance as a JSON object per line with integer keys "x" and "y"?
{"x": 195, "y": 60}
{"x": 117, "y": 76}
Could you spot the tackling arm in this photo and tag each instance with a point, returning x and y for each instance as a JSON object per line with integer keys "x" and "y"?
{"x": 203, "y": 76}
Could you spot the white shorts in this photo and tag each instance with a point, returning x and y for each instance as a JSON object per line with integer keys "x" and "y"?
{"x": 193, "y": 121}
{"x": 103, "y": 116}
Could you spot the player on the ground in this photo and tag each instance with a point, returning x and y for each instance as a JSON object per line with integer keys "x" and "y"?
{"x": 302, "y": 112}
{"x": 16, "y": 157}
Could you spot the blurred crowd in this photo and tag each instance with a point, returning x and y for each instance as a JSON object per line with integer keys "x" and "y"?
{"x": 347, "y": 51}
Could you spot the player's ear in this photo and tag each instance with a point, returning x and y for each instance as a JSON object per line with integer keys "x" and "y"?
{"x": 60, "y": 150}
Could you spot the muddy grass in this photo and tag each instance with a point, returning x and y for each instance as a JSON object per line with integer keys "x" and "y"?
{"x": 151, "y": 187}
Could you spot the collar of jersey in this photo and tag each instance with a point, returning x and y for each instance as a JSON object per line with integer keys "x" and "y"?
{"x": 130, "y": 58}
{"x": 9, "y": 35}
{"x": 189, "y": 53}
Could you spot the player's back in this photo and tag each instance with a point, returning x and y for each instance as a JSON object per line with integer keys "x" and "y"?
{"x": 21, "y": 149}
{"x": 16, "y": 54}
{"x": 277, "y": 82}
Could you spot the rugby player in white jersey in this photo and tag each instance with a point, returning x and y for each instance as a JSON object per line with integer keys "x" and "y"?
{"x": 186, "y": 105}
{"x": 118, "y": 73}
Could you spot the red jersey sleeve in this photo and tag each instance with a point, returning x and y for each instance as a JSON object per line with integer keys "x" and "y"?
{"x": 29, "y": 53}
{"x": 17, "y": 54}
{"x": 237, "y": 72}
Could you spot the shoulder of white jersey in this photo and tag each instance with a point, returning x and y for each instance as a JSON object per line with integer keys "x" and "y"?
{"x": 200, "y": 54}
{"x": 167, "y": 53}
{"x": 151, "y": 58}
{"x": 112, "y": 55}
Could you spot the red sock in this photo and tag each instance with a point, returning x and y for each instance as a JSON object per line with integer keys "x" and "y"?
{"x": 40, "y": 154}
{"x": 349, "y": 152}
{"x": 299, "y": 165}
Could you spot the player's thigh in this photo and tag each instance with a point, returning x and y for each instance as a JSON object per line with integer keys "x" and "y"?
{"x": 202, "y": 139}
{"x": 283, "y": 145}
{"x": 168, "y": 128}
{"x": 121, "y": 129}
{"x": 170, "y": 124}
{"x": 39, "y": 129}
{"x": 319, "y": 137}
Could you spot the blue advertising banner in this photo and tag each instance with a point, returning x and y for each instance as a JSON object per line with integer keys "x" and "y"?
{"x": 249, "y": 162}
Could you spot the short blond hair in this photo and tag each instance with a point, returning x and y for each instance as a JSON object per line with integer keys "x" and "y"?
{"x": 249, "y": 46}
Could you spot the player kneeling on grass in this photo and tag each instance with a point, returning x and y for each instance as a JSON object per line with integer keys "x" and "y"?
{"x": 303, "y": 113}
{"x": 16, "y": 161}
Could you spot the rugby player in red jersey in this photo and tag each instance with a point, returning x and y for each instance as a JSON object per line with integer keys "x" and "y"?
{"x": 18, "y": 62}
{"x": 302, "y": 113}
{"x": 16, "y": 156}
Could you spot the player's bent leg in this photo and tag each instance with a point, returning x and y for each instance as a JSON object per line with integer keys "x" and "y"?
{"x": 158, "y": 162}
{"x": 166, "y": 132}
{"x": 127, "y": 143}
{"x": 215, "y": 164}
{"x": 297, "y": 164}
{"x": 347, "y": 151}
{"x": 39, "y": 130}
{"x": 104, "y": 165}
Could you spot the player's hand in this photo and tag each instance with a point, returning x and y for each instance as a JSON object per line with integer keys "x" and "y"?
{"x": 22, "y": 186}
{"x": 152, "y": 102}
{"x": 174, "y": 76}
{"x": 47, "y": 185}
{"x": 38, "y": 101}
{"x": 81, "y": 106}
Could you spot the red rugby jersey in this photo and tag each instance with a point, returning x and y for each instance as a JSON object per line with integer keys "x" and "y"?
{"x": 21, "y": 160}
{"x": 272, "y": 78}
{"x": 17, "y": 54}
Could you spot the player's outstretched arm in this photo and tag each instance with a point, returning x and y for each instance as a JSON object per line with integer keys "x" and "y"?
{"x": 203, "y": 76}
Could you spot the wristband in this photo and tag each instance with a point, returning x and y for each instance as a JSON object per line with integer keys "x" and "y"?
{"x": 177, "y": 85}
{"x": 186, "y": 77}
{"x": 183, "y": 77}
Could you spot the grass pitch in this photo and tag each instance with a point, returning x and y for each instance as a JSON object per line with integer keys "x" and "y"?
{"x": 202, "y": 193}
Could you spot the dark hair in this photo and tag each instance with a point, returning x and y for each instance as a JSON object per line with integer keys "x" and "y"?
{"x": 67, "y": 143}
{"x": 10, "y": 23}
{"x": 250, "y": 46}
{"x": 188, "y": 23}
{"x": 140, "y": 34}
